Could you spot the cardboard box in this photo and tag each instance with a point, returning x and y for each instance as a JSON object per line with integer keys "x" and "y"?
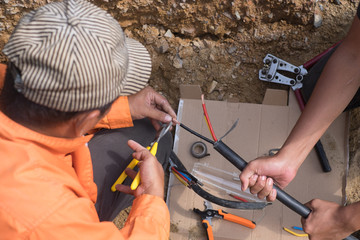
{"x": 261, "y": 127}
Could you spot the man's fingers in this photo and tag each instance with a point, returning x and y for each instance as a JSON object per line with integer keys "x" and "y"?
{"x": 312, "y": 204}
{"x": 124, "y": 189}
{"x": 135, "y": 146}
{"x": 131, "y": 173}
{"x": 252, "y": 180}
{"x": 164, "y": 105}
{"x": 159, "y": 115}
{"x": 259, "y": 185}
{"x": 267, "y": 189}
{"x": 272, "y": 196}
{"x": 247, "y": 177}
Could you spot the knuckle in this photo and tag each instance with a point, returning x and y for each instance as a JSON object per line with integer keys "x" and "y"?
{"x": 307, "y": 228}
{"x": 253, "y": 190}
{"x": 261, "y": 184}
{"x": 261, "y": 195}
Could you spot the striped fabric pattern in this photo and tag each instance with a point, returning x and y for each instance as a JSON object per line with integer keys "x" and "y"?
{"x": 73, "y": 56}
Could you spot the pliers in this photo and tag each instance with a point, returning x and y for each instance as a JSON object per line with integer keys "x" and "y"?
{"x": 153, "y": 149}
{"x": 209, "y": 213}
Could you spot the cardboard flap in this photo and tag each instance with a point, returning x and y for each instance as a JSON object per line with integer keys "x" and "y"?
{"x": 275, "y": 97}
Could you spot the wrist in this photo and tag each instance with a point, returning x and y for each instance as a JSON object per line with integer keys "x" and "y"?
{"x": 351, "y": 220}
{"x": 131, "y": 108}
{"x": 291, "y": 158}
{"x": 156, "y": 188}
{"x": 156, "y": 191}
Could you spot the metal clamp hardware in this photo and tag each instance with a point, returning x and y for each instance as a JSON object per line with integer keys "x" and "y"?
{"x": 272, "y": 66}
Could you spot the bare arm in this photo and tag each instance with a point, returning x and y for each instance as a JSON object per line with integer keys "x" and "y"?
{"x": 335, "y": 88}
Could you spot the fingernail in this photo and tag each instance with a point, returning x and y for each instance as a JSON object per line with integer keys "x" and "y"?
{"x": 269, "y": 181}
{"x": 262, "y": 178}
{"x": 254, "y": 177}
{"x": 273, "y": 192}
{"x": 168, "y": 118}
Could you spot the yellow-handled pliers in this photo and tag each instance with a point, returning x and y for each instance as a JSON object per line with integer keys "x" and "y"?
{"x": 153, "y": 149}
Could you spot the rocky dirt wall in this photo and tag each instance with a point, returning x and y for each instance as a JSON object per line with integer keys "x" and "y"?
{"x": 216, "y": 44}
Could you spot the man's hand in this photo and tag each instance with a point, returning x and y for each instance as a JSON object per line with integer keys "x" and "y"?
{"x": 151, "y": 173}
{"x": 260, "y": 174}
{"x": 148, "y": 103}
{"x": 328, "y": 220}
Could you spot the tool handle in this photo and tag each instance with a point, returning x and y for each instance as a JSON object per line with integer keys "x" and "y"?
{"x": 314, "y": 60}
{"x": 282, "y": 196}
{"x": 299, "y": 99}
{"x": 208, "y": 228}
{"x": 318, "y": 147}
{"x": 153, "y": 148}
{"x": 351, "y": 238}
{"x": 236, "y": 219}
{"x": 322, "y": 157}
{"x": 123, "y": 175}
{"x": 135, "y": 183}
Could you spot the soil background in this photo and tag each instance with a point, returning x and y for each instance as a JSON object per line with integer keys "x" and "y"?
{"x": 220, "y": 45}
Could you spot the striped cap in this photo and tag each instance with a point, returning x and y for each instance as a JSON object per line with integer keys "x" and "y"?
{"x": 73, "y": 56}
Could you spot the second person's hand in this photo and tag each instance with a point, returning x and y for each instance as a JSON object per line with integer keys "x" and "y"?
{"x": 329, "y": 220}
{"x": 259, "y": 176}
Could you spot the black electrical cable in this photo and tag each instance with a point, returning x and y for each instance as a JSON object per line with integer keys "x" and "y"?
{"x": 240, "y": 164}
{"x": 194, "y": 185}
{"x": 227, "y": 203}
{"x": 197, "y": 134}
{"x": 180, "y": 167}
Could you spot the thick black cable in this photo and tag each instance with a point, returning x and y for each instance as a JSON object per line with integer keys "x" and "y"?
{"x": 206, "y": 195}
{"x": 197, "y": 134}
{"x": 240, "y": 164}
{"x": 282, "y": 196}
{"x": 180, "y": 167}
{"x": 227, "y": 203}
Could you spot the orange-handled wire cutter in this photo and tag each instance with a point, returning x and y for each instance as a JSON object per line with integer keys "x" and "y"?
{"x": 153, "y": 149}
{"x": 209, "y": 213}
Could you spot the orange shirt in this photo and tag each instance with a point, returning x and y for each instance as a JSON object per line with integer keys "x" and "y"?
{"x": 47, "y": 189}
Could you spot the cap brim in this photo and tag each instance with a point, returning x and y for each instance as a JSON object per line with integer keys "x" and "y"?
{"x": 139, "y": 68}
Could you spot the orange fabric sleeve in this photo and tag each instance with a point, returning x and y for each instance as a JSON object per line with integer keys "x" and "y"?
{"x": 77, "y": 219}
{"x": 151, "y": 214}
{"x": 118, "y": 117}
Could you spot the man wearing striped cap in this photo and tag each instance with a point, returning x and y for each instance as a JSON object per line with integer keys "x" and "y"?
{"x": 72, "y": 96}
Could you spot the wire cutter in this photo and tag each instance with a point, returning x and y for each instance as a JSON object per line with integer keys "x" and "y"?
{"x": 209, "y": 213}
{"x": 153, "y": 149}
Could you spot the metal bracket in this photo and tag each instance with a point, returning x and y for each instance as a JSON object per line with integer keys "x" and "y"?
{"x": 272, "y": 66}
